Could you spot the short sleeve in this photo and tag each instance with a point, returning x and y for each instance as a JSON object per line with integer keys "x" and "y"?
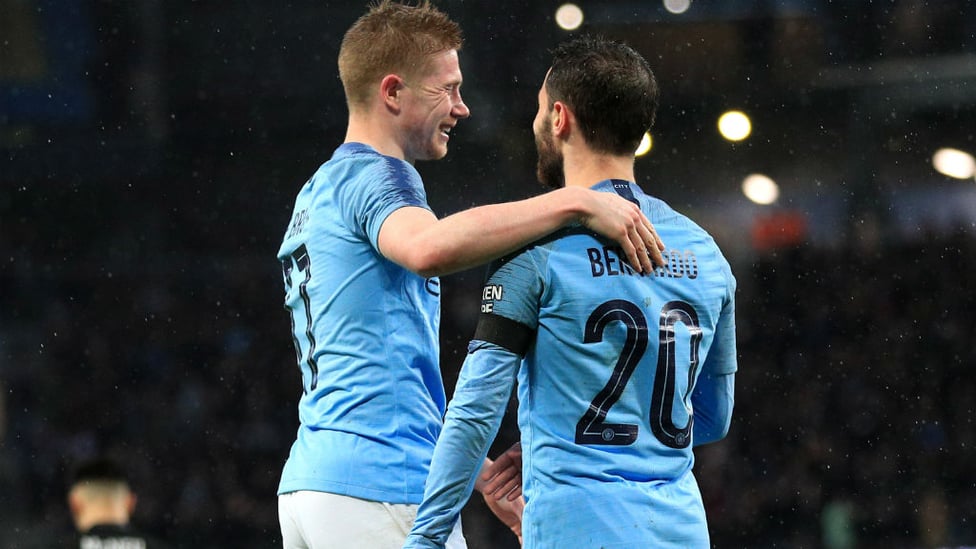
{"x": 383, "y": 186}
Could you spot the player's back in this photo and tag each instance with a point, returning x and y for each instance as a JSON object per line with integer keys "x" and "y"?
{"x": 605, "y": 393}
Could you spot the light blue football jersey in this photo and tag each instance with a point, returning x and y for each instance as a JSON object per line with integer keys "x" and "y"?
{"x": 366, "y": 335}
{"x": 617, "y": 367}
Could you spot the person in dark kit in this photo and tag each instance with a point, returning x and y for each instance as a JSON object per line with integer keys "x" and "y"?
{"x": 101, "y": 502}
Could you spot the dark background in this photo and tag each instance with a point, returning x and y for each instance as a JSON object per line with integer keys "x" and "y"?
{"x": 150, "y": 152}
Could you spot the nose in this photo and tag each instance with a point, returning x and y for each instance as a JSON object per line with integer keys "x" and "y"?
{"x": 460, "y": 110}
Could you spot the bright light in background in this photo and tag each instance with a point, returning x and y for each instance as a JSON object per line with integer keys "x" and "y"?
{"x": 645, "y": 145}
{"x": 954, "y": 163}
{"x": 760, "y": 189}
{"x": 569, "y": 17}
{"x": 734, "y": 125}
{"x": 677, "y": 7}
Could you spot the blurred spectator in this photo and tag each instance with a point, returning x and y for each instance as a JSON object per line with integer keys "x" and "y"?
{"x": 101, "y": 503}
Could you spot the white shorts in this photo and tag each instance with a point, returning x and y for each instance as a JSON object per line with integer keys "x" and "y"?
{"x": 319, "y": 520}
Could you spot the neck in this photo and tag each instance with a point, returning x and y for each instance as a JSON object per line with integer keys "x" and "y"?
{"x": 584, "y": 168}
{"x": 375, "y": 132}
{"x": 108, "y": 515}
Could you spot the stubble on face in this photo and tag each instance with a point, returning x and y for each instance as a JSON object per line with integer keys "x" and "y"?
{"x": 549, "y": 166}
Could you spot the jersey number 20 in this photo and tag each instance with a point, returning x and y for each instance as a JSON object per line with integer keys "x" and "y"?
{"x": 591, "y": 428}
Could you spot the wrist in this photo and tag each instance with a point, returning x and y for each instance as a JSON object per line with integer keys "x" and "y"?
{"x": 480, "y": 481}
{"x": 575, "y": 206}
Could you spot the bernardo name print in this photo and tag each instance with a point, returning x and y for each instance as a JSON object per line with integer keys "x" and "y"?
{"x": 606, "y": 261}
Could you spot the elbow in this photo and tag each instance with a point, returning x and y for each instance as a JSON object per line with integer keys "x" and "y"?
{"x": 426, "y": 262}
{"x": 713, "y": 402}
{"x": 712, "y": 429}
{"x": 418, "y": 253}
{"x": 721, "y": 430}
{"x": 704, "y": 437}
{"x": 708, "y": 436}
{"x": 431, "y": 269}
{"x": 424, "y": 270}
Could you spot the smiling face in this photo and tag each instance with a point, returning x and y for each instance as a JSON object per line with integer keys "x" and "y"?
{"x": 549, "y": 166}
{"x": 432, "y": 106}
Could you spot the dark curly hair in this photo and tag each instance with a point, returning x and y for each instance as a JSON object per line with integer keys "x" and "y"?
{"x": 609, "y": 87}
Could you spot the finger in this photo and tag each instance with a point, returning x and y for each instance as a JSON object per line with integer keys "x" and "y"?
{"x": 511, "y": 484}
{"x": 652, "y": 242}
{"x": 504, "y": 483}
{"x": 655, "y": 242}
{"x": 501, "y": 468}
{"x": 516, "y": 493}
{"x": 658, "y": 241}
{"x": 630, "y": 245}
{"x": 515, "y": 453}
{"x": 492, "y": 486}
{"x": 496, "y": 486}
{"x": 488, "y": 475}
{"x": 498, "y": 466}
{"x": 654, "y": 251}
{"x": 649, "y": 235}
{"x": 646, "y": 262}
{"x": 509, "y": 487}
{"x": 640, "y": 249}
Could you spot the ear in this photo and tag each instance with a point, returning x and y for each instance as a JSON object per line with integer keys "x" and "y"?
{"x": 390, "y": 88}
{"x": 130, "y": 503}
{"x": 75, "y": 503}
{"x": 562, "y": 120}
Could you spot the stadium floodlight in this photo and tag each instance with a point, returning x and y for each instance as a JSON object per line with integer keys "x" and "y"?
{"x": 645, "y": 145}
{"x": 760, "y": 189}
{"x": 677, "y": 7}
{"x": 954, "y": 163}
{"x": 569, "y": 17}
{"x": 734, "y": 125}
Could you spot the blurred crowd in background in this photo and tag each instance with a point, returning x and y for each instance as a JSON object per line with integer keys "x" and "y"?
{"x": 853, "y": 424}
{"x": 151, "y": 152}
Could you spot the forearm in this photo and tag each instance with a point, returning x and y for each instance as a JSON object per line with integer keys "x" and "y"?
{"x": 478, "y": 235}
{"x": 712, "y": 402}
{"x": 470, "y": 425}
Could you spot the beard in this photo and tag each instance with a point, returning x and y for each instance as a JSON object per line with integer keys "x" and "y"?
{"x": 549, "y": 166}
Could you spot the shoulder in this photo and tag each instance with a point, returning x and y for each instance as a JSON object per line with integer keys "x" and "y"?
{"x": 532, "y": 257}
{"x": 363, "y": 161}
{"x": 120, "y": 537}
{"x": 666, "y": 218}
{"x": 681, "y": 233}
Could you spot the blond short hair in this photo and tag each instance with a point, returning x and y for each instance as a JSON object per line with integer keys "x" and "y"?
{"x": 392, "y": 38}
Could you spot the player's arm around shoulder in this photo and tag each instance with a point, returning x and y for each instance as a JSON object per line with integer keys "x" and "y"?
{"x": 414, "y": 238}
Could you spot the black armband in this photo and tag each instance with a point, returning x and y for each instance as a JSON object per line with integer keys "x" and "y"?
{"x": 504, "y": 332}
